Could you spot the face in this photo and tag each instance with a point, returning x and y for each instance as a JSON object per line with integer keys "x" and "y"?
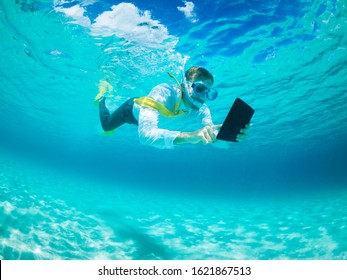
{"x": 201, "y": 90}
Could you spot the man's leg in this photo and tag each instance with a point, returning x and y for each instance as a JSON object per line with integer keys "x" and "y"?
{"x": 119, "y": 117}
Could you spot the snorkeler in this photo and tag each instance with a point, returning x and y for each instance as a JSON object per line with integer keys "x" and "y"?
{"x": 181, "y": 102}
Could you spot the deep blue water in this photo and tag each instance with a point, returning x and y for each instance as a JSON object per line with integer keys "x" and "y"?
{"x": 67, "y": 191}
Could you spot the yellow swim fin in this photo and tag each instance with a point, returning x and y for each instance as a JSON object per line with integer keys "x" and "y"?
{"x": 104, "y": 87}
{"x": 108, "y": 133}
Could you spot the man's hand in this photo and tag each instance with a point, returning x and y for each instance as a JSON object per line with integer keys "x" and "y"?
{"x": 207, "y": 134}
{"x": 243, "y": 133}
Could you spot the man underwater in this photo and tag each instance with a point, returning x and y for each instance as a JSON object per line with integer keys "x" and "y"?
{"x": 182, "y": 102}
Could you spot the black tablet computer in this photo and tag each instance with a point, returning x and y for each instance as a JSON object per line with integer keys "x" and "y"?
{"x": 239, "y": 115}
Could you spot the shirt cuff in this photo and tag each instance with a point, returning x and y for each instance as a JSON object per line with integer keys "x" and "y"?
{"x": 170, "y": 138}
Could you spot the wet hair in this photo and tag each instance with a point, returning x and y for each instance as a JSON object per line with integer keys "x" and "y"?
{"x": 197, "y": 71}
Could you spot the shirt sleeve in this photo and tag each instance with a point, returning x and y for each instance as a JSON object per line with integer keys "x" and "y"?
{"x": 205, "y": 115}
{"x": 148, "y": 130}
{"x": 207, "y": 120}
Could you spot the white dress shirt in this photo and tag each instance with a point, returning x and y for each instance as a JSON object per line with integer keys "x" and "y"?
{"x": 160, "y": 131}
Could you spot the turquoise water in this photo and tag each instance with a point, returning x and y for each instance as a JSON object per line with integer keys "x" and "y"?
{"x": 69, "y": 192}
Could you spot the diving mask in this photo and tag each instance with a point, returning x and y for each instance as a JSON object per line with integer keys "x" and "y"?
{"x": 202, "y": 91}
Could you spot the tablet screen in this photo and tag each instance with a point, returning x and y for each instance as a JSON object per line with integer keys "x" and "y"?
{"x": 239, "y": 115}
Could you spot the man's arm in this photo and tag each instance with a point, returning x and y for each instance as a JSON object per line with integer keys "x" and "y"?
{"x": 204, "y": 135}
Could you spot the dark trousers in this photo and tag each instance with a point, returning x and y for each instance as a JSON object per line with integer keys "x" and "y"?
{"x": 124, "y": 114}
